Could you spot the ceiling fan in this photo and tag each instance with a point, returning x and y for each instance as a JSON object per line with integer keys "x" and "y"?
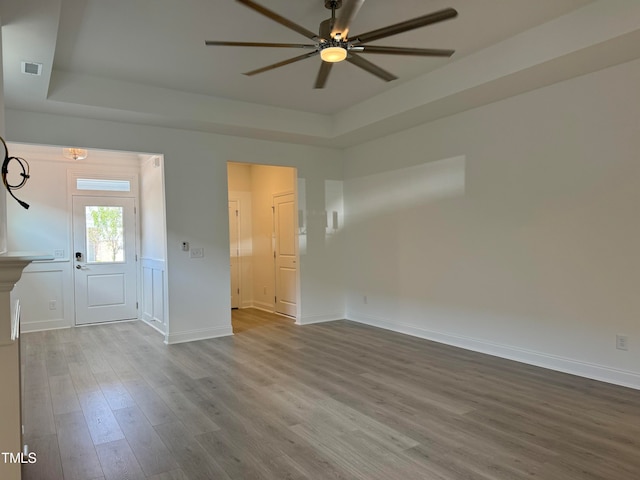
{"x": 334, "y": 44}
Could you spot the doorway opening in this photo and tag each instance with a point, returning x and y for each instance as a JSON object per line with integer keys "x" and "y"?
{"x": 263, "y": 240}
{"x": 103, "y": 220}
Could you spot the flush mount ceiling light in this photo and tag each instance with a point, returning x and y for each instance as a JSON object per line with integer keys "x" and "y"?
{"x": 75, "y": 153}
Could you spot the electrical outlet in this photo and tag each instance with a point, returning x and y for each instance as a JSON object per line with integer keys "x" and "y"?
{"x": 622, "y": 342}
{"x": 365, "y": 300}
{"x": 53, "y": 304}
{"x": 185, "y": 246}
{"x": 264, "y": 290}
{"x": 58, "y": 254}
{"x": 197, "y": 253}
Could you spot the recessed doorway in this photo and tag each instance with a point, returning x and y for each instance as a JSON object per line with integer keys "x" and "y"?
{"x": 263, "y": 238}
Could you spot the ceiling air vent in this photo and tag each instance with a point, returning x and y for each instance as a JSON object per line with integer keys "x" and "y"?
{"x": 32, "y": 68}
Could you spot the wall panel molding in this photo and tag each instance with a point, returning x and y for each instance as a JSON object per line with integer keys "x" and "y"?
{"x": 45, "y": 292}
{"x": 153, "y": 309}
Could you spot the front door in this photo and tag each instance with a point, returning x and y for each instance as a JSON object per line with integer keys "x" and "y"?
{"x": 105, "y": 274}
{"x": 286, "y": 254}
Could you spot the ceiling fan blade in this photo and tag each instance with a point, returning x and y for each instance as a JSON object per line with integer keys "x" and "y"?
{"x": 323, "y": 74}
{"x": 347, "y": 13}
{"x": 423, "y": 52}
{"x": 282, "y": 64}
{"x": 259, "y": 44}
{"x": 278, "y": 18}
{"x": 370, "y": 67}
{"x": 407, "y": 25}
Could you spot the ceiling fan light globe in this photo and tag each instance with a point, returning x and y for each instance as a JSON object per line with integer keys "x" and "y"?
{"x": 333, "y": 54}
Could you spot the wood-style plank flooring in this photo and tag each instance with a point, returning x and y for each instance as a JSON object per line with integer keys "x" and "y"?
{"x": 329, "y": 401}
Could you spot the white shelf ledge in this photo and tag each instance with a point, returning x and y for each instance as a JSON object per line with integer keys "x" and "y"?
{"x": 11, "y": 266}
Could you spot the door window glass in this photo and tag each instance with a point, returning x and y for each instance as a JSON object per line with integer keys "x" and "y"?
{"x": 103, "y": 185}
{"x": 104, "y": 234}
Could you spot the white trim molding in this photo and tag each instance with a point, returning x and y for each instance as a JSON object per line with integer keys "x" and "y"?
{"x": 265, "y": 307}
{"x": 320, "y": 318}
{"x": 153, "y": 325}
{"x": 42, "y": 325}
{"x": 201, "y": 334}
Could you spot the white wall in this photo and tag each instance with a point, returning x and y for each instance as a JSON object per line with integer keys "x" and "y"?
{"x": 152, "y": 208}
{"x": 196, "y": 210}
{"x": 533, "y": 253}
{"x": 3, "y": 196}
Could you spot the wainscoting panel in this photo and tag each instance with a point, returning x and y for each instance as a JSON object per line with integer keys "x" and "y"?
{"x": 153, "y": 297}
{"x": 45, "y": 292}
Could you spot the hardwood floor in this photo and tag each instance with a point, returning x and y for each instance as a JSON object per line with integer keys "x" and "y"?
{"x": 328, "y": 401}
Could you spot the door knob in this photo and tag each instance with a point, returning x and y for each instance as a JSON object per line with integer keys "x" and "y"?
{"x": 79, "y": 267}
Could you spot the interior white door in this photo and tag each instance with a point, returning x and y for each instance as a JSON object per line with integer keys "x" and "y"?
{"x": 234, "y": 251}
{"x": 105, "y": 273}
{"x": 286, "y": 254}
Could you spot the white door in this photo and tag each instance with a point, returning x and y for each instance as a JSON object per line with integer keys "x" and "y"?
{"x": 105, "y": 273}
{"x": 234, "y": 252}
{"x": 286, "y": 254}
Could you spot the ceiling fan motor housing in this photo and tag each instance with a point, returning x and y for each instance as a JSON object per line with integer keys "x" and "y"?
{"x": 325, "y": 29}
{"x": 331, "y": 4}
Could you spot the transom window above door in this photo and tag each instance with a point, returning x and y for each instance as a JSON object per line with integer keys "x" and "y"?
{"x": 105, "y": 185}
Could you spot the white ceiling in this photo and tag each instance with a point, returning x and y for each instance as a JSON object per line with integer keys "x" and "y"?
{"x": 145, "y": 61}
{"x": 161, "y": 43}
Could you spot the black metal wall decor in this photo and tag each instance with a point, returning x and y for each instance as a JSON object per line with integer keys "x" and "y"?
{"x": 24, "y": 174}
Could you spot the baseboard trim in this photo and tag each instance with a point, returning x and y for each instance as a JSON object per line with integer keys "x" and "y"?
{"x": 265, "y": 307}
{"x": 149, "y": 321}
{"x": 553, "y": 362}
{"x": 311, "y": 319}
{"x": 42, "y": 325}
{"x": 201, "y": 334}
